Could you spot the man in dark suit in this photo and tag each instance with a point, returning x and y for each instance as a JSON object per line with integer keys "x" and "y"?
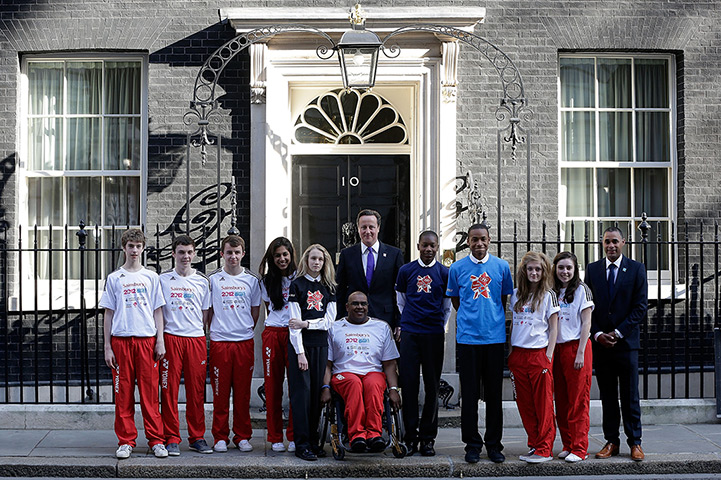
{"x": 370, "y": 267}
{"x": 620, "y": 292}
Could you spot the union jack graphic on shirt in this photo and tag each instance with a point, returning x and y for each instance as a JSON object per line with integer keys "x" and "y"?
{"x": 424, "y": 284}
{"x": 479, "y": 285}
{"x": 315, "y": 300}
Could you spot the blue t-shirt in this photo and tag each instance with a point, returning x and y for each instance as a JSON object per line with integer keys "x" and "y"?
{"x": 425, "y": 288}
{"x": 481, "y": 319}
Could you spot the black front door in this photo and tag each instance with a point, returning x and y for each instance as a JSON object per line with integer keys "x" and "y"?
{"x": 330, "y": 190}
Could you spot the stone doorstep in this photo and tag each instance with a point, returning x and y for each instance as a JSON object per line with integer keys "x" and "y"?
{"x": 101, "y": 416}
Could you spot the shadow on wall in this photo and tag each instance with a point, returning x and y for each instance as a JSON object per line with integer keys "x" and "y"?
{"x": 7, "y": 169}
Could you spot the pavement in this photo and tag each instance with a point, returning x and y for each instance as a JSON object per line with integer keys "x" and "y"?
{"x": 670, "y": 449}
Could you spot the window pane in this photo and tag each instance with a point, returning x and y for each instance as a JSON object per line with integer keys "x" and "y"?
{"x": 91, "y": 270}
{"x": 651, "y": 191}
{"x": 577, "y": 82}
{"x": 84, "y": 82}
{"x": 614, "y": 83}
{"x": 122, "y": 143}
{"x": 122, "y": 87}
{"x": 577, "y": 184}
{"x": 623, "y": 225}
{"x": 654, "y": 246}
{"x": 45, "y": 144}
{"x": 113, "y": 253}
{"x": 615, "y": 136}
{"x": 84, "y": 200}
{"x": 122, "y": 197}
{"x": 574, "y": 236}
{"x": 614, "y": 192}
{"x": 651, "y": 82}
{"x": 83, "y": 144}
{"x": 44, "y": 263}
{"x": 652, "y": 137}
{"x": 45, "y": 201}
{"x": 578, "y": 136}
{"x": 45, "y": 81}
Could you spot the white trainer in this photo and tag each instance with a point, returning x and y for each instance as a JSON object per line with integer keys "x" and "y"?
{"x": 291, "y": 447}
{"x": 538, "y": 459}
{"x": 573, "y": 458}
{"x": 123, "y": 451}
{"x": 524, "y": 458}
{"x": 278, "y": 447}
{"x": 160, "y": 451}
{"x": 563, "y": 454}
{"x": 245, "y": 446}
{"x": 221, "y": 446}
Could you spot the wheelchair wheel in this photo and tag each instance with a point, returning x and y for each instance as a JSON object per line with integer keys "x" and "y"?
{"x": 400, "y": 450}
{"x": 324, "y": 425}
{"x": 336, "y": 444}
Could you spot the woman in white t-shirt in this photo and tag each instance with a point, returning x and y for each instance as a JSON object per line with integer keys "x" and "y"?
{"x": 277, "y": 270}
{"x": 533, "y": 338}
{"x": 572, "y": 364}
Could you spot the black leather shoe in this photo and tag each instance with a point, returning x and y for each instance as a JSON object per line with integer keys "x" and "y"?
{"x": 473, "y": 455}
{"x": 358, "y": 445}
{"x": 412, "y": 449}
{"x": 496, "y": 456}
{"x": 376, "y": 444}
{"x": 319, "y": 452}
{"x": 306, "y": 454}
{"x": 427, "y": 449}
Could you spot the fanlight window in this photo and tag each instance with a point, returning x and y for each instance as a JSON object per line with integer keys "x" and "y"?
{"x": 350, "y": 117}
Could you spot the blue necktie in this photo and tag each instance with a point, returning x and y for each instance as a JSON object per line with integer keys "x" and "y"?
{"x": 611, "y": 279}
{"x": 370, "y": 264}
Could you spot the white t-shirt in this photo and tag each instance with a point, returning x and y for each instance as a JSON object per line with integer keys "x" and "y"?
{"x": 133, "y": 297}
{"x": 530, "y": 329}
{"x": 360, "y": 349}
{"x": 232, "y": 298}
{"x": 277, "y": 318}
{"x": 569, "y": 318}
{"x": 185, "y": 300}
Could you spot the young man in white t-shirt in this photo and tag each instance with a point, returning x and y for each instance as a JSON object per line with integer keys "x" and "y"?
{"x": 187, "y": 306}
{"x": 235, "y": 294}
{"x": 133, "y": 334}
{"x": 361, "y": 359}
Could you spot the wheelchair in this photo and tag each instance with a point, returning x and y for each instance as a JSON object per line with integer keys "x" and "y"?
{"x": 335, "y": 430}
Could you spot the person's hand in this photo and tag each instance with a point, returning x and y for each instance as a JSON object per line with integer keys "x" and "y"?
{"x": 397, "y": 334}
{"x": 578, "y": 362}
{"x": 296, "y": 323}
{"x": 110, "y": 360}
{"x": 607, "y": 340}
{"x": 395, "y": 399}
{"x": 159, "y": 351}
{"x": 302, "y": 362}
{"x": 325, "y": 396}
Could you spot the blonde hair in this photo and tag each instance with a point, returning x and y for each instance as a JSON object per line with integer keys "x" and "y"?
{"x": 327, "y": 273}
{"x": 529, "y": 292}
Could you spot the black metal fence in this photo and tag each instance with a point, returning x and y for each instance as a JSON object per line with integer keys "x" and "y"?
{"x": 51, "y": 333}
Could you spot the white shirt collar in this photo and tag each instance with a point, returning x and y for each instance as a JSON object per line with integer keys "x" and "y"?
{"x": 423, "y": 265}
{"x": 483, "y": 260}
{"x": 374, "y": 247}
{"x": 617, "y": 262}
{"x": 311, "y": 278}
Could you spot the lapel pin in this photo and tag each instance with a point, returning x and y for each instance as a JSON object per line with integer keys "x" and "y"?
{"x": 385, "y": 255}
{"x": 623, "y": 269}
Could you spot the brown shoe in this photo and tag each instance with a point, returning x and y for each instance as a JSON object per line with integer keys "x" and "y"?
{"x": 637, "y": 453}
{"x": 609, "y": 450}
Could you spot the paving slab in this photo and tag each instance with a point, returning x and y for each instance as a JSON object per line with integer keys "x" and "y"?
{"x": 20, "y": 442}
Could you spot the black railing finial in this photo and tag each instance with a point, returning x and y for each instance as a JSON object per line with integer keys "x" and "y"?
{"x": 645, "y": 227}
{"x": 82, "y": 235}
{"x": 233, "y": 230}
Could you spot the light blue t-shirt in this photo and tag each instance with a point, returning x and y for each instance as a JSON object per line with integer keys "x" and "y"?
{"x": 481, "y": 319}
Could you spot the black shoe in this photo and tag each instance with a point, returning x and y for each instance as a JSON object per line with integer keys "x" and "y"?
{"x": 473, "y": 455}
{"x": 496, "y": 456}
{"x": 412, "y": 448}
{"x": 319, "y": 452}
{"x": 427, "y": 449}
{"x": 376, "y": 444}
{"x": 358, "y": 445}
{"x": 306, "y": 454}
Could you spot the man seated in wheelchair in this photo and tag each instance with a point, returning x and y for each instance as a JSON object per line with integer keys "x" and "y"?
{"x": 361, "y": 359}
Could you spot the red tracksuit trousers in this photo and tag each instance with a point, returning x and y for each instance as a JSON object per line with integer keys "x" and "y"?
{"x": 275, "y": 363}
{"x": 231, "y": 368}
{"x": 533, "y": 380}
{"x": 187, "y": 356}
{"x": 136, "y": 364}
{"x": 573, "y": 396}
{"x": 363, "y": 397}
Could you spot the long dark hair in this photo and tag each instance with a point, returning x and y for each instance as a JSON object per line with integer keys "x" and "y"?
{"x": 575, "y": 280}
{"x": 273, "y": 278}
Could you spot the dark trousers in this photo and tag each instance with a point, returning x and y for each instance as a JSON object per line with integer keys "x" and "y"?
{"x": 304, "y": 388}
{"x": 420, "y": 351}
{"x": 476, "y": 364}
{"x": 618, "y": 369}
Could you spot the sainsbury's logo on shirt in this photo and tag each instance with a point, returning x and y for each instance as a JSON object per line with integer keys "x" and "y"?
{"x": 479, "y": 285}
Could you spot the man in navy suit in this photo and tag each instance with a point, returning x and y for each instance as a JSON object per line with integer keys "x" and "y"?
{"x": 620, "y": 292}
{"x": 370, "y": 267}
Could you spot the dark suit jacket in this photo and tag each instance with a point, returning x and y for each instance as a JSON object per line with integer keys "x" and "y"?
{"x": 381, "y": 295}
{"x": 628, "y": 306}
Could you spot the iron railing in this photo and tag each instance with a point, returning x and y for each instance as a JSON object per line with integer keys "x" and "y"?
{"x": 51, "y": 329}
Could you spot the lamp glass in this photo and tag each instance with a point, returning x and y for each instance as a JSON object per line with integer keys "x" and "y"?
{"x": 358, "y": 66}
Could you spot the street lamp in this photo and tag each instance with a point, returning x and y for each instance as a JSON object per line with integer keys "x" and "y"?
{"x": 358, "y": 53}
